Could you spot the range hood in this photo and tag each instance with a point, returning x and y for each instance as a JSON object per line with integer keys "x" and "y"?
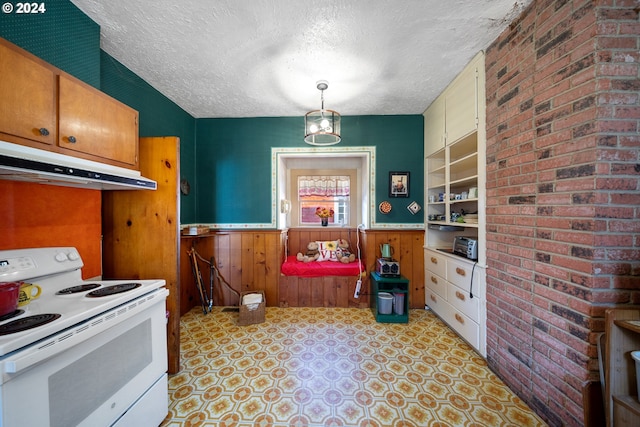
{"x": 20, "y": 163}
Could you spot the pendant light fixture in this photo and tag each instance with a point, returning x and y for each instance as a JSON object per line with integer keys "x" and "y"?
{"x": 322, "y": 127}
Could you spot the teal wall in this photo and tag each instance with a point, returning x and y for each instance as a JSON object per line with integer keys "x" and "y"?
{"x": 233, "y": 162}
{"x": 63, "y": 36}
{"x": 227, "y": 161}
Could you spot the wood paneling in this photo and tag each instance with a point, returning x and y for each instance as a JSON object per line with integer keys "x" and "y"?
{"x": 246, "y": 259}
{"x": 328, "y": 291}
{"x": 141, "y": 231}
{"x": 408, "y": 247}
{"x": 188, "y": 294}
{"x": 251, "y": 260}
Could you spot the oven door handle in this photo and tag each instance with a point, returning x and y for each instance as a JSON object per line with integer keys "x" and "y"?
{"x": 64, "y": 341}
{"x": 47, "y": 350}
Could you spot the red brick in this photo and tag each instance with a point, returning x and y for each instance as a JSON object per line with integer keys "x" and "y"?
{"x": 619, "y": 184}
{"x": 552, "y": 247}
{"x": 618, "y": 155}
{"x": 611, "y": 297}
{"x": 572, "y": 263}
{"x": 574, "y": 237}
{"x": 610, "y": 240}
{"x": 617, "y": 126}
{"x": 579, "y": 184}
{"x": 617, "y": 43}
{"x": 614, "y": 212}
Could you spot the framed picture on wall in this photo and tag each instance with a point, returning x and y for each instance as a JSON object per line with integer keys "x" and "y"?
{"x": 398, "y": 184}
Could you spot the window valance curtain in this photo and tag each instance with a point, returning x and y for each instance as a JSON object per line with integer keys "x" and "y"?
{"x": 326, "y": 186}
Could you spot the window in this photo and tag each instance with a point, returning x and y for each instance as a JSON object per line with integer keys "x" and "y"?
{"x": 331, "y": 193}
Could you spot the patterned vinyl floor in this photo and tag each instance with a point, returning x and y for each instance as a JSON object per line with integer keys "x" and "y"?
{"x": 334, "y": 367}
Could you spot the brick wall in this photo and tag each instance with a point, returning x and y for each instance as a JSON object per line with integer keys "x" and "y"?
{"x": 563, "y": 199}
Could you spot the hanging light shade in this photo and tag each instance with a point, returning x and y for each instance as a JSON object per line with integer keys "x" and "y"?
{"x": 322, "y": 127}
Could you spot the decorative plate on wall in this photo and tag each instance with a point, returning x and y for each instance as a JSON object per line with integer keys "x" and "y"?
{"x": 414, "y": 207}
{"x": 384, "y": 207}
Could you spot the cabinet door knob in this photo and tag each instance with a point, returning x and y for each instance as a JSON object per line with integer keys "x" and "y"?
{"x": 460, "y": 295}
{"x": 461, "y": 271}
{"x": 72, "y": 139}
{"x": 459, "y": 318}
{"x": 434, "y": 280}
{"x": 44, "y": 131}
{"x": 434, "y": 260}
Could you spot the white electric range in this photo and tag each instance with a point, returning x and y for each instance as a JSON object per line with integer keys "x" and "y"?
{"x": 84, "y": 352}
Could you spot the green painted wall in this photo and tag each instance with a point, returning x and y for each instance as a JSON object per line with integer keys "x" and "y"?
{"x": 63, "y": 36}
{"x": 233, "y": 162}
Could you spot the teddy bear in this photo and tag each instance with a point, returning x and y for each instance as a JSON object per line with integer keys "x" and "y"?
{"x": 342, "y": 252}
{"x": 312, "y": 253}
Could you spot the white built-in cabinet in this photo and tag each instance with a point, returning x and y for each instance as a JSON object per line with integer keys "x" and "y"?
{"x": 434, "y": 127}
{"x": 455, "y": 162}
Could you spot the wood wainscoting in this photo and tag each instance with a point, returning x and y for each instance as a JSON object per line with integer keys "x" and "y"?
{"x": 251, "y": 260}
{"x": 327, "y": 291}
{"x": 248, "y": 260}
{"x": 408, "y": 249}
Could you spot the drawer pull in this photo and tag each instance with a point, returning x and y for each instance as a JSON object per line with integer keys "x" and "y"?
{"x": 461, "y": 271}
{"x": 460, "y": 295}
{"x": 434, "y": 280}
{"x": 433, "y": 298}
{"x": 434, "y": 260}
{"x": 459, "y": 318}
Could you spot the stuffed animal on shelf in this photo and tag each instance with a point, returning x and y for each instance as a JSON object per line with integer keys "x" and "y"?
{"x": 312, "y": 253}
{"x": 342, "y": 252}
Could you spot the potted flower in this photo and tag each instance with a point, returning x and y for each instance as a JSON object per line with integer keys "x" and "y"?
{"x": 324, "y": 215}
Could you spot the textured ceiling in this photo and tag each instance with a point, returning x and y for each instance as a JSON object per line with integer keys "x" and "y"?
{"x": 258, "y": 58}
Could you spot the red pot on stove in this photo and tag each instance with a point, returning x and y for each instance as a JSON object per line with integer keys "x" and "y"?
{"x": 9, "y": 293}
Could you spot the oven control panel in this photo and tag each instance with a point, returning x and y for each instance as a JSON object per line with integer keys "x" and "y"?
{"x": 20, "y": 264}
{"x": 12, "y": 265}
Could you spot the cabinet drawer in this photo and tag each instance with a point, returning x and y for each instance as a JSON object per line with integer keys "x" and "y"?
{"x": 435, "y": 263}
{"x": 461, "y": 300}
{"x": 459, "y": 274}
{"x": 436, "y": 283}
{"x": 435, "y": 302}
{"x": 465, "y": 327}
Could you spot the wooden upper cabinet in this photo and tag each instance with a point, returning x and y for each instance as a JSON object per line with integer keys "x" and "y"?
{"x": 44, "y": 107}
{"x": 28, "y": 98}
{"x": 91, "y": 122}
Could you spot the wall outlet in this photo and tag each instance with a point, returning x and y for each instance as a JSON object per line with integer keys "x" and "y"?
{"x": 358, "y": 286}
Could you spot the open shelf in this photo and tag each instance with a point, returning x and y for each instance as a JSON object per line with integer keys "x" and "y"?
{"x": 622, "y": 331}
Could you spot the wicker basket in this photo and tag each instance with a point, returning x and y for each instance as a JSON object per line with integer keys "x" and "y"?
{"x": 251, "y": 317}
